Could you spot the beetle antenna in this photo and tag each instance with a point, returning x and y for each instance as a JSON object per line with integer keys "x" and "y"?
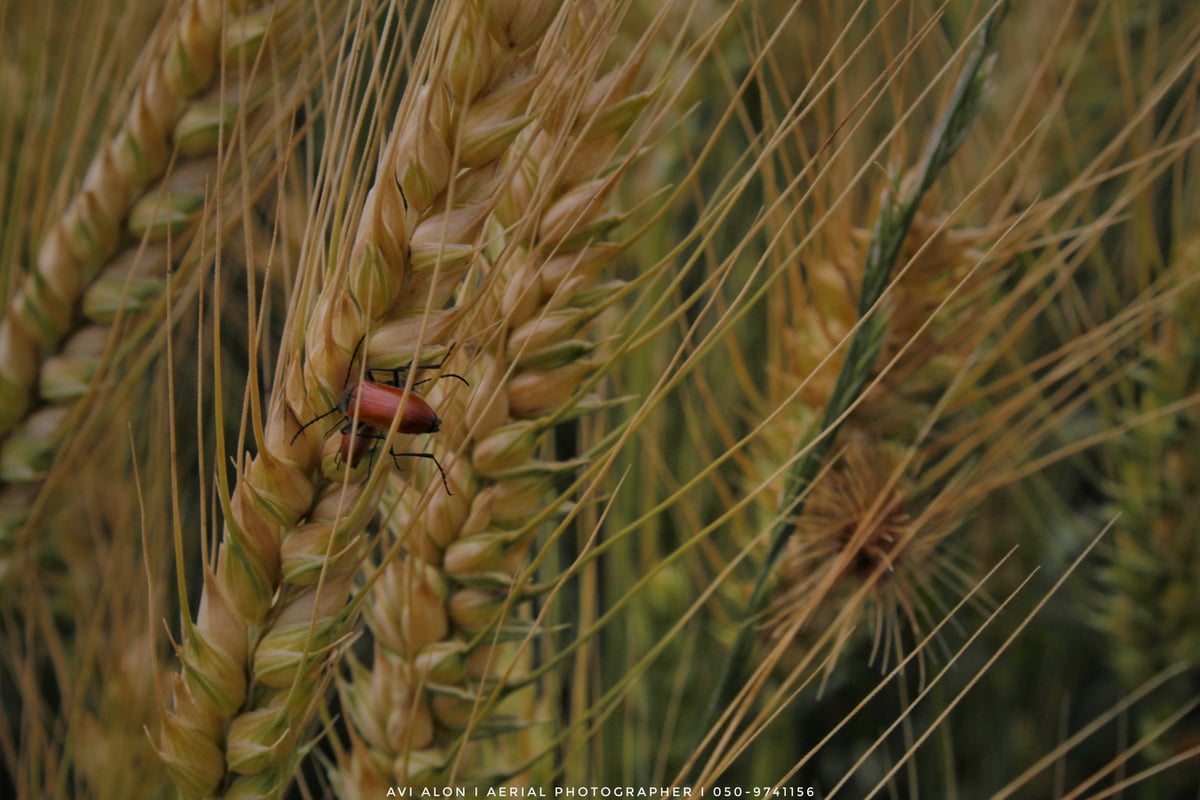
{"x": 396, "y": 373}
{"x": 445, "y": 358}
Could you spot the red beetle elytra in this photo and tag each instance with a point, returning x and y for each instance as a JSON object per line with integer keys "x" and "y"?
{"x": 369, "y": 407}
{"x": 377, "y": 404}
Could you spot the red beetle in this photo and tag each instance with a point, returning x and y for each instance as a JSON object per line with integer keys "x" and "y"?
{"x": 369, "y": 407}
{"x": 377, "y": 404}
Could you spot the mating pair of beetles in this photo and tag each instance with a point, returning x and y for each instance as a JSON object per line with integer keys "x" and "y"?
{"x": 368, "y": 407}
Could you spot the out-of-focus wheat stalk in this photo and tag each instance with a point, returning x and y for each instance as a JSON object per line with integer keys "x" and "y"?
{"x": 967, "y": 451}
{"x": 184, "y": 160}
{"x": 894, "y": 219}
{"x": 109, "y": 254}
{"x": 1145, "y": 599}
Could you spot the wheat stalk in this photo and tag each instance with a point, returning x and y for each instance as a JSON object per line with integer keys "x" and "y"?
{"x": 892, "y": 224}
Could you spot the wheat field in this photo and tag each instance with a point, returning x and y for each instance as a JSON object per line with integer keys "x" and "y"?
{"x": 600, "y": 398}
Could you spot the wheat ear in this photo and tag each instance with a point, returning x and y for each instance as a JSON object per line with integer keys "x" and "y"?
{"x": 434, "y": 613}
{"x": 251, "y": 663}
{"x": 894, "y": 219}
{"x": 88, "y": 230}
{"x": 1145, "y": 604}
{"x": 106, "y": 257}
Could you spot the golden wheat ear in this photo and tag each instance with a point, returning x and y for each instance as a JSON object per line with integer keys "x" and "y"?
{"x": 447, "y": 650}
{"x": 273, "y": 611}
{"x": 180, "y": 167}
{"x": 95, "y": 293}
